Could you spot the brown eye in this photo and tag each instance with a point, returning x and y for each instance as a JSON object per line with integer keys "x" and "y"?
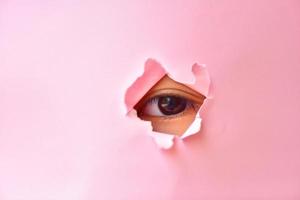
{"x": 166, "y": 105}
{"x": 171, "y": 105}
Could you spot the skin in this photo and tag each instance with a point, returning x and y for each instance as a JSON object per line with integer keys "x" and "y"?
{"x": 179, "y": 123}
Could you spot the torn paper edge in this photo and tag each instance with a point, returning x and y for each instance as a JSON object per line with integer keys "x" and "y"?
{"x": 153, "y": 72}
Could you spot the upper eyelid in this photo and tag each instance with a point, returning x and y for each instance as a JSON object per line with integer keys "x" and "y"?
{"x": 155, "y": 97}
{"x": 174, "y": 92}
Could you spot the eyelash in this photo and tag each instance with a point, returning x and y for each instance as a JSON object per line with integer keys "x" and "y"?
{"x": 154, "y": 100}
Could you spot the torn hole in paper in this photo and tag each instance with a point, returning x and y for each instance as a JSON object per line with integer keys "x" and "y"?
{"x": 172, "y": 108}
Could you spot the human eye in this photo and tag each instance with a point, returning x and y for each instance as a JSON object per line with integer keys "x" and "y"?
{"x": 167, "y": 105}
{"x": 170, "y": 106}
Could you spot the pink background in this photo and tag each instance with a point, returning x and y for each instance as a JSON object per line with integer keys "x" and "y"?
{"x": 64, "y": 69}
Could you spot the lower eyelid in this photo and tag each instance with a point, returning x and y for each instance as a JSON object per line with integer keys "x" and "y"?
{"x": 176, "y": 117}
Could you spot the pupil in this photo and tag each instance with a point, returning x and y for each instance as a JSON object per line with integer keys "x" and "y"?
{"x": 171, "y": 105}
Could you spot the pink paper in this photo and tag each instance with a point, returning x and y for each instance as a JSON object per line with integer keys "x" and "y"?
{"x": 153, "y": 72}
{"x": 65, "y": 67}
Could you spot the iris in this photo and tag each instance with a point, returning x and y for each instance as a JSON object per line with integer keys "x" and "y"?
{"x": 171, "y": 105}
